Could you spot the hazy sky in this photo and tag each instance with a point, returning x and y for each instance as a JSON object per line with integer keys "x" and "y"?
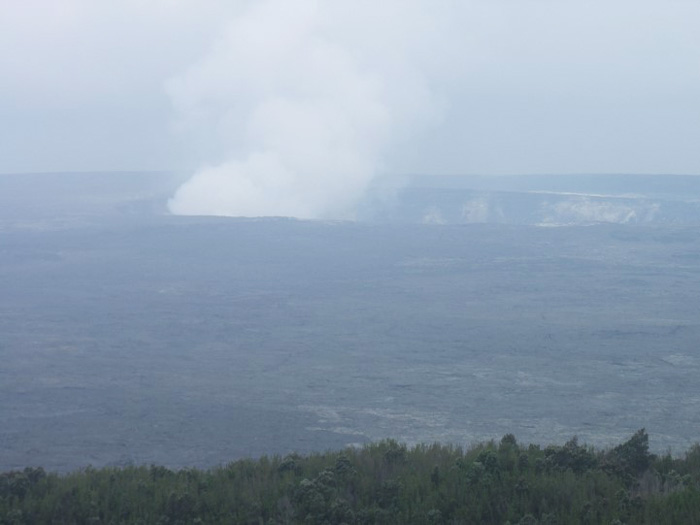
{"x": 411, "y": 86}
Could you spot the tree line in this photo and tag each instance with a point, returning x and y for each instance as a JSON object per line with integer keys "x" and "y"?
{"x": 387, "y": 482}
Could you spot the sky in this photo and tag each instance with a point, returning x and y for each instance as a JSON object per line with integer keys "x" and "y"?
{"x": 295, "y": 107}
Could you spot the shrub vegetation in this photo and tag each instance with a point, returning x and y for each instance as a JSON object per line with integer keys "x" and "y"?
{"x": 381, "y": 483}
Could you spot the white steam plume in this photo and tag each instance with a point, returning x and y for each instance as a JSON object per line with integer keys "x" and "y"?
{"x": 295, "y": 103}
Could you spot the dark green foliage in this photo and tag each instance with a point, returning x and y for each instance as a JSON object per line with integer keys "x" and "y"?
{"x": 382, "y": 483}
{"x": 632, "y": 457}
{"x": 570, "y": 456}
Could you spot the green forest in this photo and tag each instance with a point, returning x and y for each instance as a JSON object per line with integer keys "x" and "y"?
{"x": 387, "y": 482}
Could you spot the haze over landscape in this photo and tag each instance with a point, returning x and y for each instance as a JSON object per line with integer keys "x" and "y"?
{"x": 295, "y": 108}
{"x": 230, "y": 229}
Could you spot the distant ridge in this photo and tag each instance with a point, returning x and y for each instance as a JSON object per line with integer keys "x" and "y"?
{"x": 662, "y": 185}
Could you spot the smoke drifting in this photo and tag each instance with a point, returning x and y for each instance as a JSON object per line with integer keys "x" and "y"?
{"x": 327, "y": 94}
{"x": 295, "y": 103}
